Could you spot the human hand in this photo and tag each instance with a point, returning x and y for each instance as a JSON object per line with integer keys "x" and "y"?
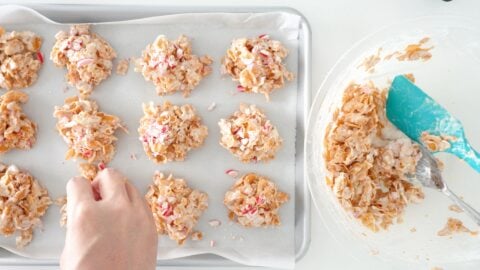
{"x": 109, "y": 225}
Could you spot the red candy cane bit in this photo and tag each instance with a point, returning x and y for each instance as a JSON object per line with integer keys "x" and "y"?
{"x": 260, "y": 200}
{"x": 40, "y": 57}
{"x": 249, "y": 209}
{"x": 263, "y": 36}
{"x": 240, "y": 88}
{"x": 87, "y": 153}
{"x": 263, "y": 54}
{"x": 167, "y": 211}
{"x": 101, "y": 166}
{"x": 232, "y": 172}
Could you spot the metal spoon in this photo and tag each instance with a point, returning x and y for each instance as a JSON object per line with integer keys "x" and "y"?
{"x": 429, "y": 175}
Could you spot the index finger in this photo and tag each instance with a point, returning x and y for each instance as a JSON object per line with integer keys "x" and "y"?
{"x": 110, "y": 184}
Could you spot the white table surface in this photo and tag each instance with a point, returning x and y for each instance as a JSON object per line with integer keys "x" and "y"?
{"x": 336, "y": 25}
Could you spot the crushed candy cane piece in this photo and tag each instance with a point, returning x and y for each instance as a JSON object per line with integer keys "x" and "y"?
{"x": 101, "y": 166}
{"x": 232, "y": 173}
{"x": 240, "y": 88}
{"x": 212, "y": 106}
{"x": 40, "y": 57}
{"x": 85, "y": 61}
{"x": 215, "y": 223}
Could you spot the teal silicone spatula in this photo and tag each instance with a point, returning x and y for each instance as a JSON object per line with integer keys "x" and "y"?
{"x": 413, "y": 112}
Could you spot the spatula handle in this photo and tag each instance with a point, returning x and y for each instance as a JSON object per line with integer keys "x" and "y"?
{"x": 463, "y": 205}
{"x": 468, "y": 154}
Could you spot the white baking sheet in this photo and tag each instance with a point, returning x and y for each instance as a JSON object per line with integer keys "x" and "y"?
{"x": 204, "y": 168}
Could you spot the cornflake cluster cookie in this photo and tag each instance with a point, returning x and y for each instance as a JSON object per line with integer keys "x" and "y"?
{"x": 254, "y": 201}
{"x": 256, "y": 64}
{"x": 171, "y": 66}
{"x": 176, "y": 207}
{"x": 16, "y": 129}
{"x": 249, "y": 135}
{"x": 368, "y": 159}
{"x": 168, "y": 132}
{"x": 20, "y": 58}
{"x": 22, "y": 203}
{"x": 86, "y": 55}
{"x": 88, "y": 132}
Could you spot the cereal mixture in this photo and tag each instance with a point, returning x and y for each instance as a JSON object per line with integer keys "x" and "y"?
{"x": 168, "y": 132}
{"x": 86, "y": 55}
{"x": 256, "y": 64}
{"x": 88, "y": 132}
{"x": 171, "y": 66}
{"x": 249, "y": 135}
{"x": 20, "y": 58}
{"x": 413, "y": 52}
{"x": 122, "y": 67}
{"x": 176, "y": 207}
{"x": 254, "y": 201}
{"x": 22, "y": 204}
{"x": 455, "y": 208}
{"x": 16, "y": 129}
{"x": 455, "y": 226}
{"x": 436, "y": 143}
{"x": 370, "y": 62}
{"x": 367, "y": 159}
{"x": 62, "y": 203}
{"x": 89, "y": 171}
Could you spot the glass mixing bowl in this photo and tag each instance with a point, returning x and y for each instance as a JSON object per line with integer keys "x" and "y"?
{"x": 452, "y": 77}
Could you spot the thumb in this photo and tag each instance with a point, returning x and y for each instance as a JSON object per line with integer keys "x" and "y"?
{"x": 79, "y": 189}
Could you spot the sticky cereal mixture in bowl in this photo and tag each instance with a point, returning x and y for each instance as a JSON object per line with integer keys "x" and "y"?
{"x": 368, "y": 159}
{"x": 254, "y": 201}
{"x": 23, "y": 202}
{"x": 175, "y": 206}
{"x": 257, "y": 65}
{"x": 86, "y": 55}
{"x": 88, "y": 132}
{"x": 168, "y": 132}
{"x": 171, "y": 66}
{"x": 249, "y": 135}
{"x": 17, "y": 131}
{"x": 20, "y": 58}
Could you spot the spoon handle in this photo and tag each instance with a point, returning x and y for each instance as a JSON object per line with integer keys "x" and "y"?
{"x": 463, "y": 205}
